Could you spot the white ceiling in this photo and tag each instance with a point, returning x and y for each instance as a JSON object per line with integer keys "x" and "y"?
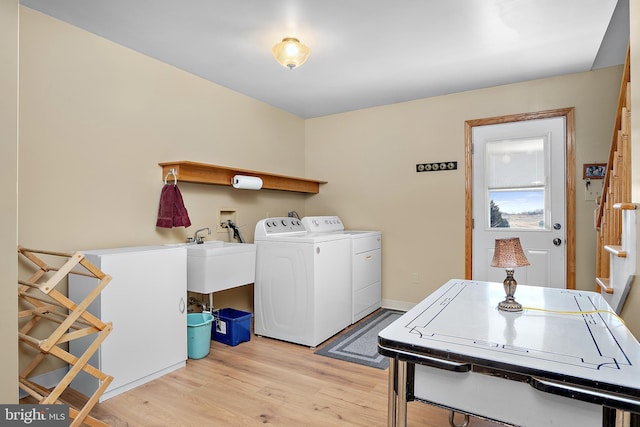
{"x": 363, "y": 53}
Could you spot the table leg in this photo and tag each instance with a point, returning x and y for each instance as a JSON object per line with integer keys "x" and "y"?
{"x": 618, "y": 418}
{"x": 608, "y": 417}
{"x": 392, "y": 395}
{"x": 401, "y": 400}
{"x": 627, "y": 419}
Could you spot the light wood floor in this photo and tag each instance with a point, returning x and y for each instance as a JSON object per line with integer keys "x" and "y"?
{"x": 265, "y": 381}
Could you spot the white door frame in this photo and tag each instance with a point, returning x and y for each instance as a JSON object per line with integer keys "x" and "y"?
{"x": 570, "y": 247}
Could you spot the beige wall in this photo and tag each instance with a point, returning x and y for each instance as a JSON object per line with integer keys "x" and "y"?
{"x": 97, "y": 118}
{"x": 372, "y": 155}
{"x": 8, "y": 192}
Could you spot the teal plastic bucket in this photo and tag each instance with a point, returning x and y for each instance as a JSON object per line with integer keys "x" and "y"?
{"x": 198, "y": 334}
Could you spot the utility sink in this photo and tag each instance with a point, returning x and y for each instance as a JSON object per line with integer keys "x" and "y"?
{"x": 217, "y": 265}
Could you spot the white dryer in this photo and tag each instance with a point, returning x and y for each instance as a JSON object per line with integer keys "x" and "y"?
{"x": 302, "y": 291}
{"x": 366, "y": 262}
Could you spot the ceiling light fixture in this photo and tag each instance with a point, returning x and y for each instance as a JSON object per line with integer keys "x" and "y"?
{"x": 290, "y": 52}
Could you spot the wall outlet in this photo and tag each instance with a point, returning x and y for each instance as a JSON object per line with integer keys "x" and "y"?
{"x": 415, "y": 278}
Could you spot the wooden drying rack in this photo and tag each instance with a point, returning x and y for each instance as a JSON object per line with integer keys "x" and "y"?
{"x": 203, "y": 173}
{"x": 69, "y": 321}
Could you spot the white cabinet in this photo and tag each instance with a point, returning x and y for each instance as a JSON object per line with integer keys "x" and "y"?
{"x": 146, "y": 301}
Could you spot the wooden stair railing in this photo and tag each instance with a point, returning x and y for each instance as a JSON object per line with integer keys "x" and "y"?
{"x": 616, "y": 190}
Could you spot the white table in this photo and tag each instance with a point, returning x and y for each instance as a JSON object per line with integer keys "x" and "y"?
{"x": 572, "y": 362}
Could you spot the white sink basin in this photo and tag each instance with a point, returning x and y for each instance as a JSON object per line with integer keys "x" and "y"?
{"x": 216, "y": 265}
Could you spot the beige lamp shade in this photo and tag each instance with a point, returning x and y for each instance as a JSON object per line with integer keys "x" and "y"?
{"x": 290, "y": 53}
{"x": 508, "y": 253}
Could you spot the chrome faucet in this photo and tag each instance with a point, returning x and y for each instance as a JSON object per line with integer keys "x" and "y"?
{"x": 199, "y": 239}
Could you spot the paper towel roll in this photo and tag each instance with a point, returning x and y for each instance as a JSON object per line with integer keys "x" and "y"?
{"x": 247, "y": 182}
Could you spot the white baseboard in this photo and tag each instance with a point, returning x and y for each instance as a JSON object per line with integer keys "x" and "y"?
{"x": 397, "y": 305}
{"x": 48, "y": 380}
{"x": 109, "y": 393}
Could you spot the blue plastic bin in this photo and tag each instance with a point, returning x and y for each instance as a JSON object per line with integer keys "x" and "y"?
{"x": 198, "y": 334}
{"x": 231, "y": 326}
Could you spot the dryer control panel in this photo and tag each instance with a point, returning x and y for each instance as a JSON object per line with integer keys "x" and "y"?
{"x": 322, "y": 224}
{"x": 278, "y": 225}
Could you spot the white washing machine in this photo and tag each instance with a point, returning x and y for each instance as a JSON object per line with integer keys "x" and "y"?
{"x": 302, "y": 291}
{"x": 366, "y": 262}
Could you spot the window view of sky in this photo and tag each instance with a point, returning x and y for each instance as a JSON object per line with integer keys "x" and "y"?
{"x": 518, "y": 201}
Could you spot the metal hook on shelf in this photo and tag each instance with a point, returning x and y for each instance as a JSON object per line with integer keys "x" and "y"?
{"x": 172, "y": 171}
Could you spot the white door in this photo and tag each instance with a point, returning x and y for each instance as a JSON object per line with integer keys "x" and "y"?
{"x": 519, "y": 191}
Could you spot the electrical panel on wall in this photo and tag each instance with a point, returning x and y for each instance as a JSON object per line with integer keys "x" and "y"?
{"x": 436, "y": 166}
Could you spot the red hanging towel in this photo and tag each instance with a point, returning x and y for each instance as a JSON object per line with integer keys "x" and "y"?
{"x": 165, "y": 210}
{"x": 180, "y": 214}
{"x": 171, "y": 211}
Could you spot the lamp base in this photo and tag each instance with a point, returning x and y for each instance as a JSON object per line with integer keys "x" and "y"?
{"x": 509, "y": 305}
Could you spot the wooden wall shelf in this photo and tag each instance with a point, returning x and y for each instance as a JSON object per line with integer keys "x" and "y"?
{"x": 203, "y": 173}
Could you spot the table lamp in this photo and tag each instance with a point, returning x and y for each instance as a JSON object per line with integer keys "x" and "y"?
{"x": 508, "y": 254}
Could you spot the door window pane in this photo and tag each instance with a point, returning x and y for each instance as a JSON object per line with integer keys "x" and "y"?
{"x": 523, "y": 209}
{"x": 516, "y": 183}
